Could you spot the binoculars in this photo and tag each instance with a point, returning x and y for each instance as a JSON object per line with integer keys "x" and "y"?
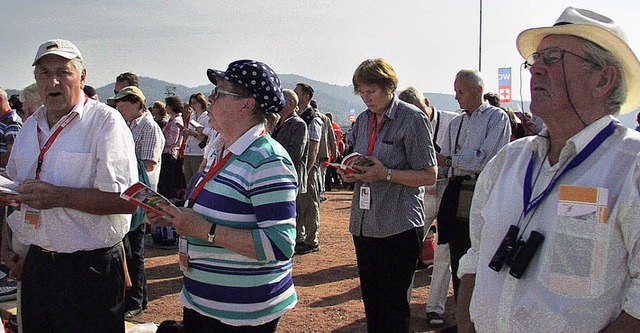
{"x": 515, "y": 252}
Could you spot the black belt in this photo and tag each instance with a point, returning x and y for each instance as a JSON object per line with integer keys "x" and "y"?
{"x": 53, "y": 255}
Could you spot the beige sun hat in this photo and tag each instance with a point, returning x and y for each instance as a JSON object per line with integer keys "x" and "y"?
{"x": 598, "y": 29}
{"x": 129, "y": 90}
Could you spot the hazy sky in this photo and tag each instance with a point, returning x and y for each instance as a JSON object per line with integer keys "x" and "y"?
{"x": 426, "y": 41}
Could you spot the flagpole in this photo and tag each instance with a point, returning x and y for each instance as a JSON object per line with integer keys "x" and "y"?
{"x": 480, "y": 43}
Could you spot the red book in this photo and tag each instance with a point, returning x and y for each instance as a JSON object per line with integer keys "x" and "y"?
{"x": 146, "y": 198}
{"x": 350, "y": 160}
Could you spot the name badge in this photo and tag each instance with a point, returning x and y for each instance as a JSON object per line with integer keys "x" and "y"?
{"x": 183, "y": 247}
{"x": 583, "y": 203}
{"x": 31, "y": 216}
{"x": 365, "y": 197}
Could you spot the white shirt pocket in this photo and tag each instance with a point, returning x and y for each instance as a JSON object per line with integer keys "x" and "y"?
{"x": 74, "y": 170}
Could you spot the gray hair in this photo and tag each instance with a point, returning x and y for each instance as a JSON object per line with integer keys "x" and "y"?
{"x": 3, "y": 94}
{"x": 471, "y": 77}
{"x": 288, "y": 93}
{"x": 411, "y": 95}
{"x": 30, "y": 93}
{"x": 603, "y": 58}
{"x": 78, "y": 63}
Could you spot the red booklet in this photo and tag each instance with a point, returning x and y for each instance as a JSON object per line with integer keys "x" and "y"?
{"x": 350, "y": 160}
{"x": 146, "y": 198}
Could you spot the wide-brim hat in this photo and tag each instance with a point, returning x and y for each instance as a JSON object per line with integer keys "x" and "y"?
{"x": 59, "y": 47}
{"x": 258, "y": 78}
{"x": 130, "y": 90}
{"x": 598, "y": 29}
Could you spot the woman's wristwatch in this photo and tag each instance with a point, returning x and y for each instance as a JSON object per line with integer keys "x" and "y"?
{"x": 447, "y": 162}
{"x": 212, "y": 233}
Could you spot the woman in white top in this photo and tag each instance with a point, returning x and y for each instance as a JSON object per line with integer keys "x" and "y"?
{"x": 194, "y": 150}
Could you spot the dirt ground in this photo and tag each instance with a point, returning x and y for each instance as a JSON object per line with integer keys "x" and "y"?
{"x": 326, "y": 282}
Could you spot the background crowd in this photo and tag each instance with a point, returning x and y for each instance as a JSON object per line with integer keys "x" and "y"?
{"x": 536, "y": 225}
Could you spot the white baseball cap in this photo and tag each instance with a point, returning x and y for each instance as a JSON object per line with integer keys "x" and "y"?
{"x": 59, "y": 47}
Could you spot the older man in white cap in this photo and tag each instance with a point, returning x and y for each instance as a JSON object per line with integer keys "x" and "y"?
{"x": 564, "y": 254}
{"x": 73, "y": 158}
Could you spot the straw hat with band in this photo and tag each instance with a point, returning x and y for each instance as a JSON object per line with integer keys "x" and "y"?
{"x": 598, "y": 29}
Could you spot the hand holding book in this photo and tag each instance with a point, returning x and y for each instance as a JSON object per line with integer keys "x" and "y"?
{"x": 367, "y": 170}
{"x": 146, "y": 198}
{"x": 351, "y": 160}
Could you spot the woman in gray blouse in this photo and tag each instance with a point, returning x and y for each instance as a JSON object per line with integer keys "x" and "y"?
{"x": 387, "y": 213}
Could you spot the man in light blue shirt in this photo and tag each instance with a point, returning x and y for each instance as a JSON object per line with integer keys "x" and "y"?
{"x": 475, "y": 136}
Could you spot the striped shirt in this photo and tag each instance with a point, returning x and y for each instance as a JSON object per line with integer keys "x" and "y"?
{"x": 9, "y": 127}
{"x": 255, "y": 190}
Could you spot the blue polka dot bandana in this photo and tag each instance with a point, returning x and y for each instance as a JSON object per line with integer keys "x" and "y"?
{"x": 259, "y": 79}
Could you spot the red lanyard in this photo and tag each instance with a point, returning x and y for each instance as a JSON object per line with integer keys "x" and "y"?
{"x": 373, "y": 134}
{"x": 53, "y": 138}
{"x": 212, "y": 172}
{"x": 282, "y": 122}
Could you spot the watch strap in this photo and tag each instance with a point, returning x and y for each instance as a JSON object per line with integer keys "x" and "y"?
{"x": 212, "y": 233}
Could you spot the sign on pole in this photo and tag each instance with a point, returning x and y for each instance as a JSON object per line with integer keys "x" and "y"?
{"x": 352, "y": 114}
{"x": 504, "y": 85}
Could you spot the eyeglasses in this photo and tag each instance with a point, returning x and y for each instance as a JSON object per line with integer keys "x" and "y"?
{"x": 217, "y": 92}
{"x": 551, "y": 56}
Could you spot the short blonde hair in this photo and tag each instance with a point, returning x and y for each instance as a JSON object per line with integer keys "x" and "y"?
{"x": 271, "y": 120}
{"x": 378, "y": 72}
{"x": 30, "y": 93}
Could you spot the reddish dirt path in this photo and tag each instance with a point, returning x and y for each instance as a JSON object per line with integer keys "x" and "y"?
{"x": 326, "y": 282}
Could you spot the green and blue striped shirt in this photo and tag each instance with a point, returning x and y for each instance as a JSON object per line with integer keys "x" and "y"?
{"x": 255, "y": 190}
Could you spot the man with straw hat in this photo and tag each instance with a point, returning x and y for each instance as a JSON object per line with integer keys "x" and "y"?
{"x": 564, "y": 255}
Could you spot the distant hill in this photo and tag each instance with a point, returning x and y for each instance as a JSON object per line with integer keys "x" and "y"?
{"x": 12, "y": 92}
{"x": 330, "y": 97}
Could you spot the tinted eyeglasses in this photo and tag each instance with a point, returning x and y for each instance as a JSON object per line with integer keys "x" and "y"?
{"x": 551, "y": 56}
{"x": 217, "y": 92}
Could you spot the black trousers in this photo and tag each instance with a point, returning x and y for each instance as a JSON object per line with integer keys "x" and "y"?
{"x": 136, "y": 296}
{"x": 171, "y": 183}
{"x": 77, "y": 292}
{"x": 386, "y": 267}
{"x": 453, "y": 222}
{"x": 194, "y": 322}
{"x": 331, "y": 178}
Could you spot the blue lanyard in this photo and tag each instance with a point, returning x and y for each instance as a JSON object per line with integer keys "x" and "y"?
{"x": 580, "y": 157}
